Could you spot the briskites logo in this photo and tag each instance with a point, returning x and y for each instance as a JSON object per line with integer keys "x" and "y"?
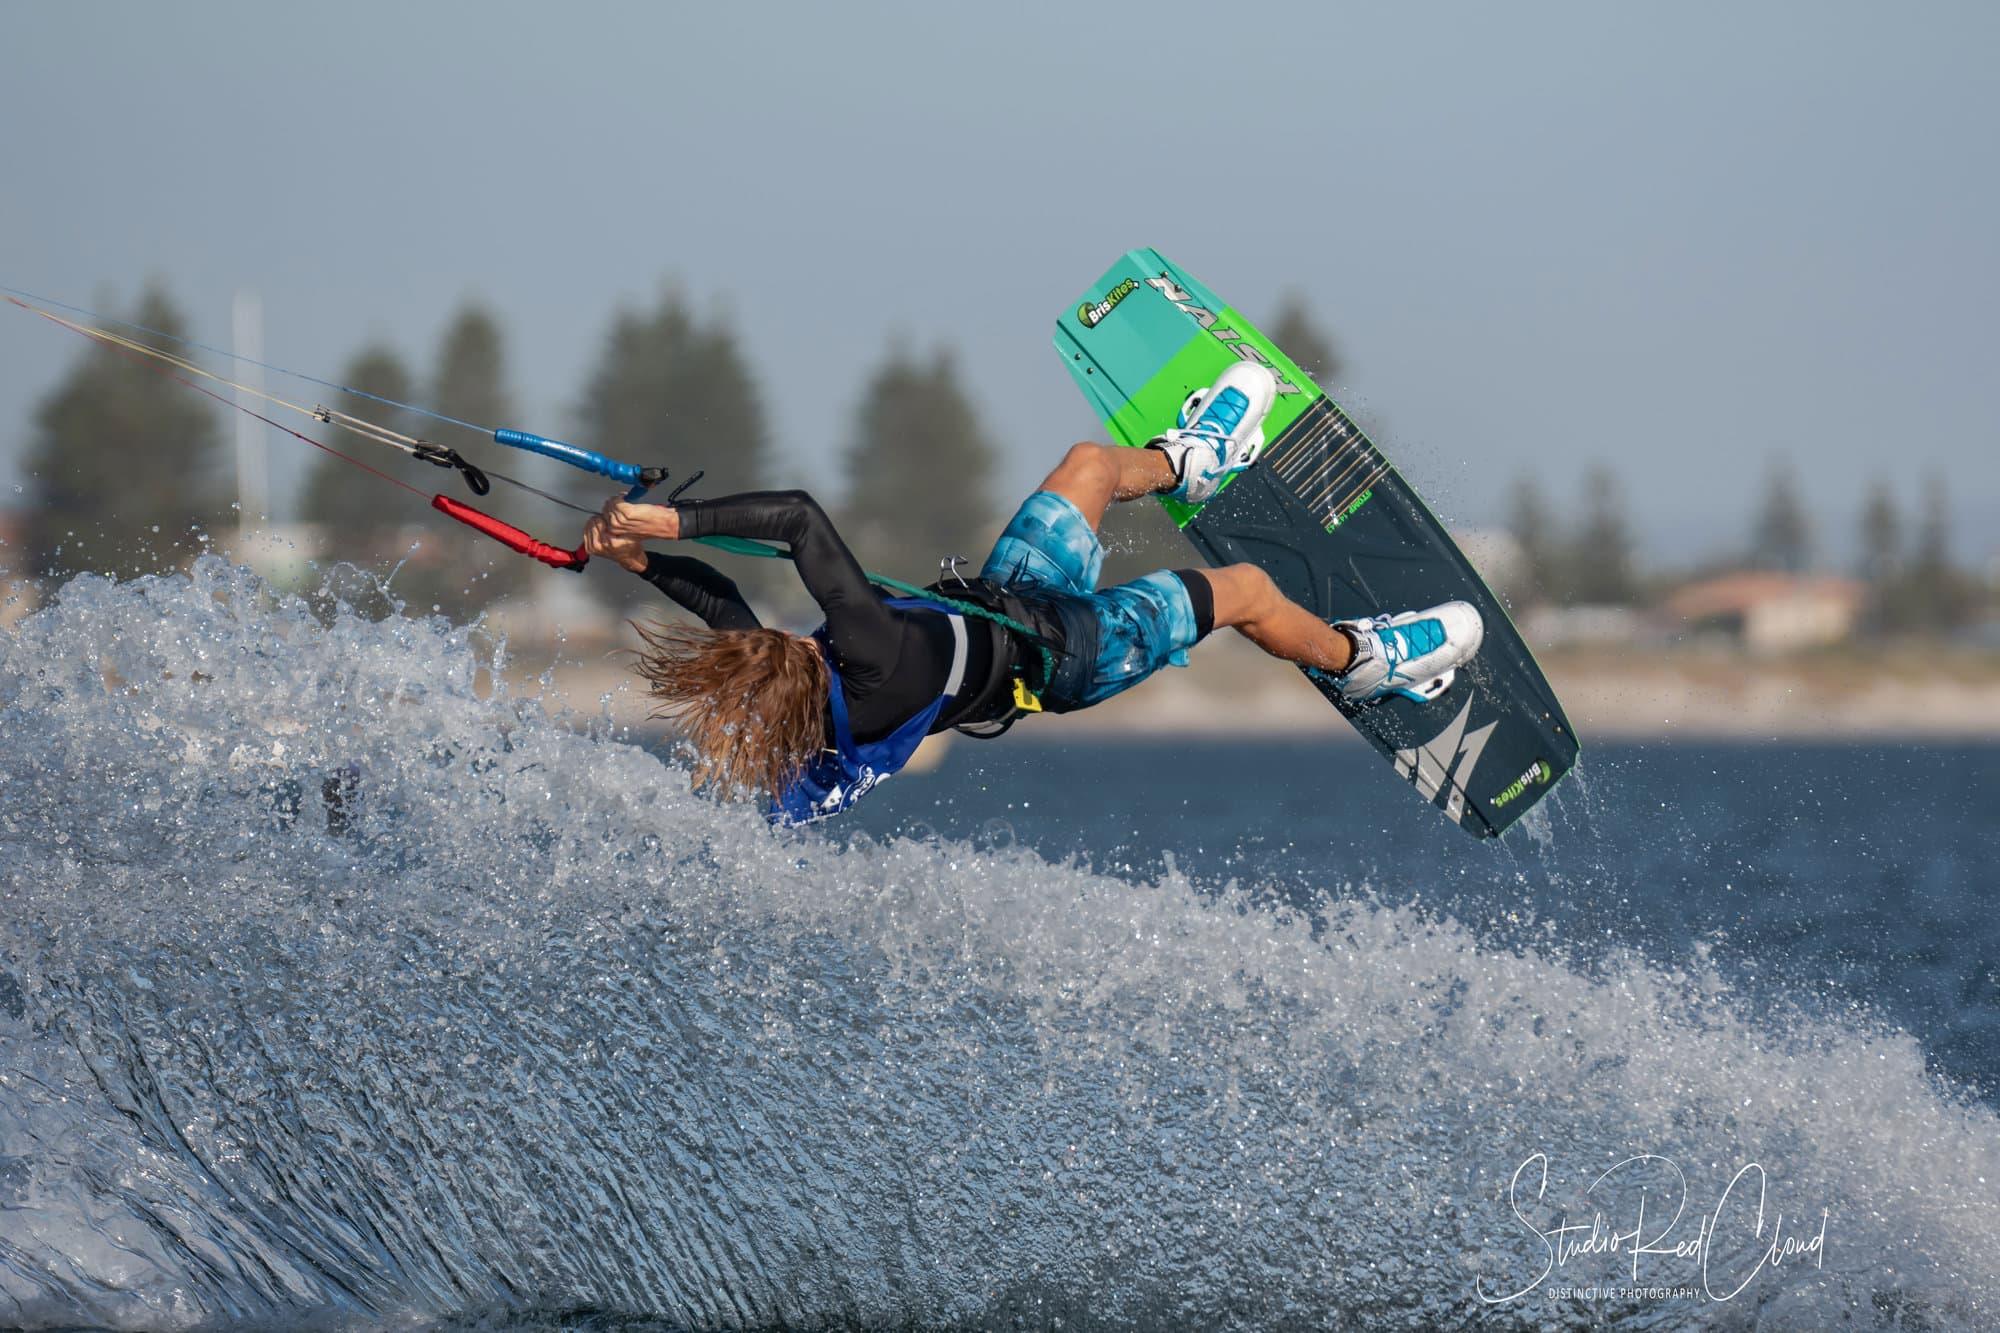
{"x": 1538, "y": 772}
{"x": 1091, "y": 313}
{"x": 1240, "y": 346}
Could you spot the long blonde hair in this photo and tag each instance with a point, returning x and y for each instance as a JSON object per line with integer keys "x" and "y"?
{"x": 751, "y": 701}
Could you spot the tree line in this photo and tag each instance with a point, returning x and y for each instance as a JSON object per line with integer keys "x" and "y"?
{"x": 126, "y": 473}
{"x": 1907, "y": 566}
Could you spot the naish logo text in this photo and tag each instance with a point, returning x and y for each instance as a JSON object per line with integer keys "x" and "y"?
{"x": 1446, "y": 763}
{"x": 1222, "y": 333}
{"x": 1538, "y": 772}
{"x": 1091, "y": 313}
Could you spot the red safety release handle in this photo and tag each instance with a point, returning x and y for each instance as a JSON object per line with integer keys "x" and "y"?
{"x": 510, "y": 536}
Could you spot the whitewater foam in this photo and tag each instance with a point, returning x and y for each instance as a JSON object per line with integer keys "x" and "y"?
{"x": 515, "y": 1022}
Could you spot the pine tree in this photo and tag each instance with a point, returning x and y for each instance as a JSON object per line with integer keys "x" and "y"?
{"x": 1533, "y": 525}
{"x": 669, "y": 390}
{"x": 1600, "y": 562}
{"x": 1782, "y": 537}
{"x": 672, "y": 391}
{"x": 1881, "y": 537}
{"x": 728, "y": 435}
{"x": 919, "y": 469}
{"x": 1931, "y": 553}
{"x": 362, "y": 520}
{"x": 471, "y": 379}
{"x": 470, "y": 383}
{"x": 618, "y": 401}
{"x": 1934, "y": 594}
{"x": 355, "y": 508}
{"x": 1300, "y": 339}
{"x": 125, "y": 467}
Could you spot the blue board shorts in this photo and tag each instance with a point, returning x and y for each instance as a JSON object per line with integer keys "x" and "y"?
{"x": 1049, "y": 549}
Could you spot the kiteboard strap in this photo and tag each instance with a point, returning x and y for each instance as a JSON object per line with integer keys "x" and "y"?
{"x": 510, "y": 536}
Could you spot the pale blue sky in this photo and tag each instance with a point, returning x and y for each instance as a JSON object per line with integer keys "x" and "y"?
{"x": 1672, "y": 237}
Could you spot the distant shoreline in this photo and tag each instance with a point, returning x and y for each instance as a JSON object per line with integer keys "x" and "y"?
{"x": 1232, "y": 690}
{"x": 1610, "y": 693}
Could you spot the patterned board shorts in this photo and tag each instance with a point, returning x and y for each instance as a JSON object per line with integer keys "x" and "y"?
{"x": 1142, "y": 625}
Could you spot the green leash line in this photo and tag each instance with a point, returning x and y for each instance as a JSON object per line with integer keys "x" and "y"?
{"x": 744, "y": 546}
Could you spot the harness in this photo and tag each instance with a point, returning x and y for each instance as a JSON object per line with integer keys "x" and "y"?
{"x": 848, "y": 769}
{"x": 1043, "y": 649}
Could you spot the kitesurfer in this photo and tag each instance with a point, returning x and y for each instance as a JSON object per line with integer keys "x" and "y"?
{"x": 814, "y": 721}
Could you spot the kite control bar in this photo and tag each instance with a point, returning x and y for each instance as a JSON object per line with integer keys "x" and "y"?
{"x": 639, "y": 479}
{"x": 510, "y": 536}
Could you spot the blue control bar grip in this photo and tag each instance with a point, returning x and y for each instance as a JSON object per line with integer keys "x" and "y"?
{"x": 576, "y": 456}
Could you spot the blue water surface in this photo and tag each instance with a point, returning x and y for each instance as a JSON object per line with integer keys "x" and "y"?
{"x": 344, "y": 986}
{"x": 1860, "y": 873}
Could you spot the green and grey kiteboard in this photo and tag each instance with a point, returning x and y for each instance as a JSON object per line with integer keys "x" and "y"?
{"x": 1330, "y": 519}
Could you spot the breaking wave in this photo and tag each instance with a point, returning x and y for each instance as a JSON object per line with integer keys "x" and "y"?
{"x": 338, "y": 983}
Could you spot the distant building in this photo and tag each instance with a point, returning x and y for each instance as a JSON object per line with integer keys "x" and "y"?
{"x": 1767, "y": 611}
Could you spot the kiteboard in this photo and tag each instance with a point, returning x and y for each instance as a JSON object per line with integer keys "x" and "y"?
{"x": 1327, "y": 515}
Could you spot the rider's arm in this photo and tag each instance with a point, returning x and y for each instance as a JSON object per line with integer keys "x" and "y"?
{"x": 862, "y": 629}
{"x": 701, "y": 588}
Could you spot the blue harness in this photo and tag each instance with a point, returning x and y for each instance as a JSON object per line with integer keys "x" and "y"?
{"x": 849, "y": 769}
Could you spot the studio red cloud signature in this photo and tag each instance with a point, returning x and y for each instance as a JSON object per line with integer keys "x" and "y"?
{"x": 1740, "y": 1237}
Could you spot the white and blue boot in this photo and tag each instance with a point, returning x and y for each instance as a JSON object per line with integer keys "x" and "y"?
{"x": 1415, "y": 654}
{"x": 1221, "y": 431}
